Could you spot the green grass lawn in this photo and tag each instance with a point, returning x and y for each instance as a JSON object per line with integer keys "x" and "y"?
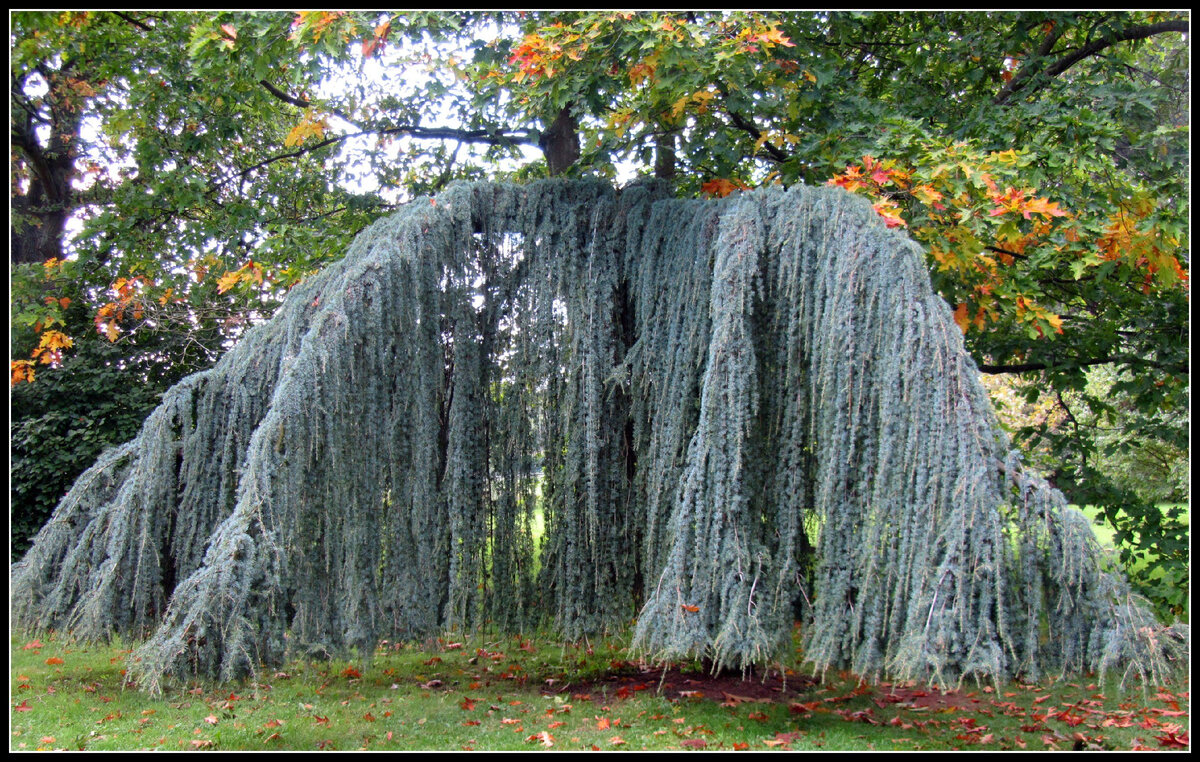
{"x": 519, "y": 694}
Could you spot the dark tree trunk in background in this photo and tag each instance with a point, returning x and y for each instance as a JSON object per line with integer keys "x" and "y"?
{"x": 560, "y": 142}
{"x": 41, "y": 209}
{"x": 664, "y": 157}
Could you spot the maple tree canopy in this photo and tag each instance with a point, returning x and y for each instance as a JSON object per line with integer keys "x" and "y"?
{"x": 721, "y": 411}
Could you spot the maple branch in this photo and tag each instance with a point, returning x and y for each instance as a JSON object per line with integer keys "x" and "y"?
{"x": 1030, "y": 367}
{"x": 132, "y": 20}
{"x": 484, "y": 136}
{"x": 487, "y": 137}
{"x": 1026, "y": 76}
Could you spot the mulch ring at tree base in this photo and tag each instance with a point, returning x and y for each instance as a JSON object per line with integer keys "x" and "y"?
{"x": 727, "y": 687}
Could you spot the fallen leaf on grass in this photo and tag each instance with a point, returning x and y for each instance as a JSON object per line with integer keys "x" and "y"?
{"x": 1174, "y": 741}
{"x": 23, "y": 707}
{"x": 543, "y": 737}
{"x": 617, "y": 741}
{"x": 54, "y": 660}
{"x": 694, "y": 743}
{"x": 732, "y": 700}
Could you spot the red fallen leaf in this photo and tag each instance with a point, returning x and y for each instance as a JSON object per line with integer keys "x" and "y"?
{"x": 624, "y": 692}
{"x": 467, "y": 704}
{"x": 1041, "y": 699}
{"x": 211, "y": 719}
{"x": 692, "y": 609}
{"x": 200, "y": 743}
{"x": 272, "y": 723}
{"x": 452, "y": 646}
{"x": 693, "y": 743}
{"x": 543, "y": 737}
{"x": 556, "y": 724}
{"x": 739, "y": 746}
{"x": 471, "y": 722}
{"x": 617, "y": 741}
{"x": 1174, "y": 741}
{"x": 602, "y": 723}
{"x": 54, "y": 660}
{"x": 351, "y": 672}
{"x": 273, "y": 737}
{"x": 23, "y": 707}
{"x": 369, "y": 717}
{"x": 760, "y": 716}
{"x": 321, "y": 720}
{"x": 31, "y": 645}
{"x": 434, "y": 660}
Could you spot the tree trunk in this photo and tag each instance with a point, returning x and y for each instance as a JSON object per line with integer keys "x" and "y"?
{"x": 664, "y": 157}
{"x": 560, "y": 142}
{"x": 40, "y": 213}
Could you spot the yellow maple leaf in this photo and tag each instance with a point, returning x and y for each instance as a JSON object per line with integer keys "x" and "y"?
{"x": 228, "y": 280}
{"x": 22, "y": 370}
{"x": 55, "y": 340}
{"x": 960, "y": 317}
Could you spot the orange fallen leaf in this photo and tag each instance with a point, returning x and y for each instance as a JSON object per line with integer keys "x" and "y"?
{"x": 54, "y": 660}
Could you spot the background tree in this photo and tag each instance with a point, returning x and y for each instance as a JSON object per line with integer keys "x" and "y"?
{"x": 211, "y": 161}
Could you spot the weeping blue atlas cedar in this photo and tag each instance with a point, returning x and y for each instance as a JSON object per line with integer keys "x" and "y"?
{"x": 719, "y": 412}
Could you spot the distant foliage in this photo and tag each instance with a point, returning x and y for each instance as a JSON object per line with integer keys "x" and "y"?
{"x": 719, "y": 406}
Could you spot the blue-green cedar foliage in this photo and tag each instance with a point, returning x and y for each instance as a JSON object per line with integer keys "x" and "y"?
{"x": 719, "y": 408}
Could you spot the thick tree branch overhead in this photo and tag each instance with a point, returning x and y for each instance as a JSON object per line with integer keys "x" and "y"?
{"x": 1027, "y": 75}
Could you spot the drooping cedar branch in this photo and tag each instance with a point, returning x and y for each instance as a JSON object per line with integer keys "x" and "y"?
{"x": 1042, "y": 67}
{"x": 704, "y": 403}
